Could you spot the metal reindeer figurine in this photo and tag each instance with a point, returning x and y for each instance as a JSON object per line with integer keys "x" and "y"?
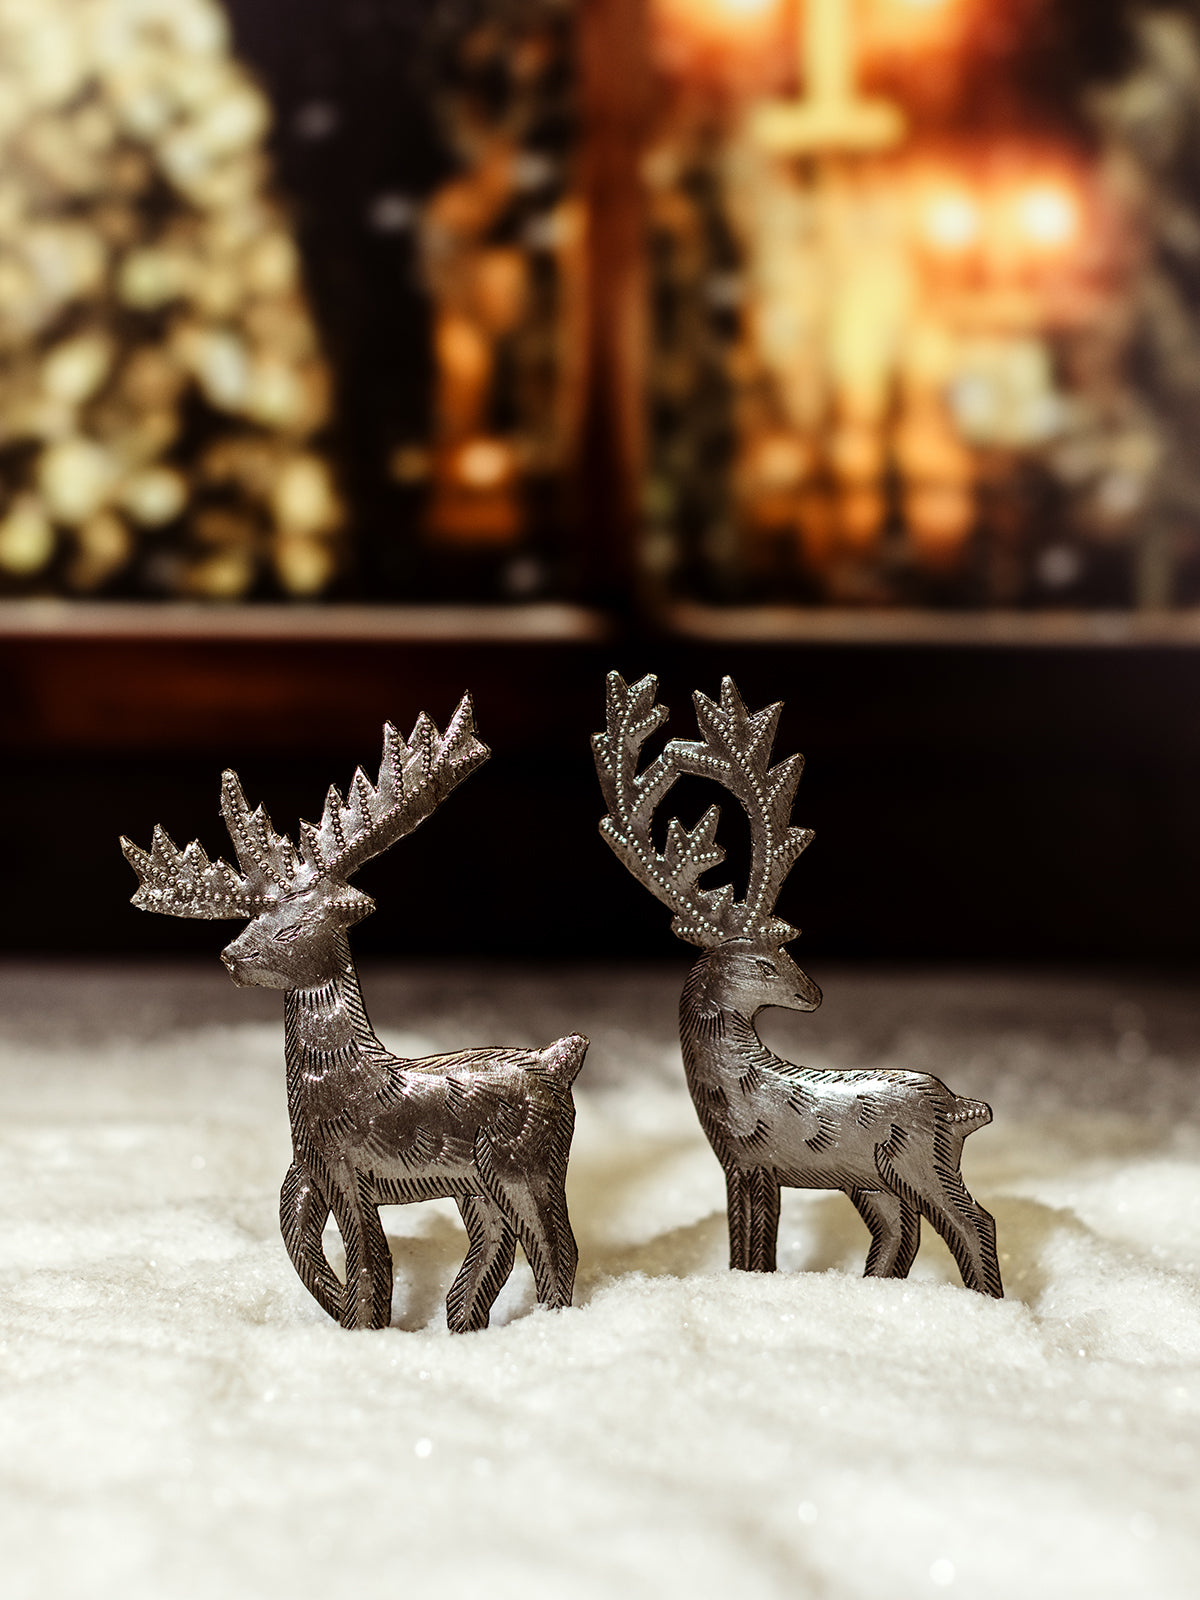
{"x": 491, "y": 1128}
{"x": 891, "y": 1140}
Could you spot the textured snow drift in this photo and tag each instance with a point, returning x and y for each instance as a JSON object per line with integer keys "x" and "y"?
{"x": 178, "y": 1419}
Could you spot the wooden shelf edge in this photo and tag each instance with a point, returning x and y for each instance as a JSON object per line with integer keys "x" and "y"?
{"x": 548, "y": 622}
{"x": 784, "y": 625}
{"x": 552, "y": 623}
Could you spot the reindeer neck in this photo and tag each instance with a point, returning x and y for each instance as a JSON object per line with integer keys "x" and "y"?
{"x": 708, "y": 1030}
{"x": 329, "y": 1042}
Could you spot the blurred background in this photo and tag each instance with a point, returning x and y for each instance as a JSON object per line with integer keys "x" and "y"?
{"x": 356, "y": 352}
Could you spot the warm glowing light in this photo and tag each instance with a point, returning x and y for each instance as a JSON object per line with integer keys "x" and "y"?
{"x": 715, "y": 19}
{"x": 779, "y": 461}
{"x": 484, "y": 463}
{"x": 744, "y": 8}
{"x": 912, "y": 27}
{"x": 951, "y": 221}
{"x": 1048, "y": 214}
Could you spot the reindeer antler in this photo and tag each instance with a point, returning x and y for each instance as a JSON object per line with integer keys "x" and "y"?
{"x": 735, "y": 752}
{"x": 414, "y": 778}
{"x": 185, "y": 883}
{"x": 673, "y": 876}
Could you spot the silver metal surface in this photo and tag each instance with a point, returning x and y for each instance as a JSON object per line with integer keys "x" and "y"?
{"x": 891, "y": 1140}
{"x": 489, "y": 1128}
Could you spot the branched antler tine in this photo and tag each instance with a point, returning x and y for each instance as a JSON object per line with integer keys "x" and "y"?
{"x": 395, "y": 753}
{"x": 414, "y": 778}
{"x": 265, "y": 857}
{"x": 137, "y": 858}
{"x": 672, "y": 875}
{"x": 235, "y": 810}
{"x": 360, "y": 795}
{"x": 185, "y": 883}
{"x": 735, "y": 751}
{"x": 422, "y": 743}
{"x": 695, "y": 849}
{"x": 617, "y": 750}
{"x": 782, "y": 781}
{"x": 331, "y": 819}
{"x": 310, "y": 848}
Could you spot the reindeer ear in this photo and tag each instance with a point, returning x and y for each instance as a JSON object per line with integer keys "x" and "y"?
{"x": 352, "y": 906}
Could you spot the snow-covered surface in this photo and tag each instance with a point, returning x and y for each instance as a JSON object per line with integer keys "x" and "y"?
{"x": 178, "y": 1419}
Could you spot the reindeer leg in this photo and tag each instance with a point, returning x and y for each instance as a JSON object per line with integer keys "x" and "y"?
{"x": 970, "y": 1231}
{"x": 302, "y": 1213}
{"x": 764, "y": 1220}
{"x": 936, "y": 1188}
{"x": 551, "y": 1236}
{"x": 487, "y": 1267}
{"x": 539, "y": 1215}
{"x": 737, "y": 1189}
{"x": 895, "y": 1232}
{"x": 367, "y": 1297}
{"x": 535, "y": 1207}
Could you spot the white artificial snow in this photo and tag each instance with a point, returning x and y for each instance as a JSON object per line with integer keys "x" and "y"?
{"x": 178, "y": 1419}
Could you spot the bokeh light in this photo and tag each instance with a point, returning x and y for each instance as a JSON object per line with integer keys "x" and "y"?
{"x": 950, "y": 221}
{"x": 1047, "y": 214}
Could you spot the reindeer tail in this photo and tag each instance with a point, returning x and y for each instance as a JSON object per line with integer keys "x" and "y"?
{"x": 564, "y": 1058}
{"x": 968, "y": 1115}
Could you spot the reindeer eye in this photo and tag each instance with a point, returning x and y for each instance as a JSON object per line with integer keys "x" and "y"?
{"x": 767, "y": 968}
{"x": 285, "y": 935}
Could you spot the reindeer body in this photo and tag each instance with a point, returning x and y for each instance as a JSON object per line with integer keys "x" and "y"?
{"x": 891, "y": 1140}
{"x": 490, "y": 1129}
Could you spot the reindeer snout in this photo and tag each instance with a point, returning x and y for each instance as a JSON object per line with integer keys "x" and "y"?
{"x": 234, "y": 961}
{"x": 809, "y": 995}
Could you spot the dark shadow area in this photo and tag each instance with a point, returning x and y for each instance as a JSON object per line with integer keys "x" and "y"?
{"x": 969, "y": 804}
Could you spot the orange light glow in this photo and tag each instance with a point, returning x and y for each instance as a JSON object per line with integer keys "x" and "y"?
{"x": 913, "y": 28}
{"x": 1048, "y": 215}
{"x": 484, "y": 464}
{"x": 950, "y": 221}
{"x": 714, "y": 17}
{"x": 707, "y": 24}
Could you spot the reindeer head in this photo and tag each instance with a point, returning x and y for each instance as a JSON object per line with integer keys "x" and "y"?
{"x": 299, "y": 901}
{"x": 746, "y": 966}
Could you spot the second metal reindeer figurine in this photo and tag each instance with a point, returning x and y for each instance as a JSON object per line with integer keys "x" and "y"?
{"x": 891, "y": 1140}
{"x": 489, "y": 1128}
